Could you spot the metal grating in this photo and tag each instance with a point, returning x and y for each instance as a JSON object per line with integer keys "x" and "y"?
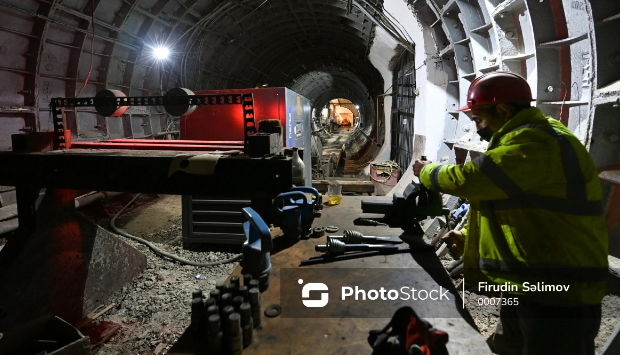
{"x": 213, "y": 220}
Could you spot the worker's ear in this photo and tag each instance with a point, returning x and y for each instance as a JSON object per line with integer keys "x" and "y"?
{"x": 504, "y": 112}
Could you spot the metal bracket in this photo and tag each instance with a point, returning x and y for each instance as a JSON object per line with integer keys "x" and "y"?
{"x": 247, "y": 100}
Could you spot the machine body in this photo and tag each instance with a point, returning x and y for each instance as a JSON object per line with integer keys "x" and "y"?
{"x": 225, "y": 122}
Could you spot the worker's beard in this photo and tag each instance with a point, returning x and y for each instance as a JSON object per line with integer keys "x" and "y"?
{"x": 485, "y": 133}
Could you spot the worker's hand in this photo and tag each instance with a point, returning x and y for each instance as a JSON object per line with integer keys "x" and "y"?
{"x": 456, "y": 243}
{"x": 418, "y": 165}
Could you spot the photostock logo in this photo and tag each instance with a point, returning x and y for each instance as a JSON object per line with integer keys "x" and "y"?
{"x": 318, "y": 286}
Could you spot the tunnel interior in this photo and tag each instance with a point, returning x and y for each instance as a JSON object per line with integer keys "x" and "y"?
{"x": 384, "y": 81}
{"x": 407, "y": 64}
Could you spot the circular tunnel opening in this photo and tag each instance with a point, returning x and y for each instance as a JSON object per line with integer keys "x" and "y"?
{"x": 344, "y": 119}
{"x": 337, "y": 122}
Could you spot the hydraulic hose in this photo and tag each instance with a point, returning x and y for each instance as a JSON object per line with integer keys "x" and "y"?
{"x": 159, "y": 251}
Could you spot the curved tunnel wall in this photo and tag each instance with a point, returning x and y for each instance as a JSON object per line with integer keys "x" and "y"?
{"x": 319, "y": 48}
{"x": 565, "y": 48}
{"x": 554, "y": 44}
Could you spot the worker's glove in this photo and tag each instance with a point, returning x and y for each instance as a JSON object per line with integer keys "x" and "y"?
{"x": 413, "y": 336}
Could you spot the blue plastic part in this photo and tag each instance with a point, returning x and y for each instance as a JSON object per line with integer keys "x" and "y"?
{"x": 308, "y": 189}
{"x": 296, "y": 198}
{"x": 460, "y": 212}
{"x": 257, "y": 247}
{"x": 291, "y": 222}
{"x": 290, "y": 213}
{"x": 307, "y": 213}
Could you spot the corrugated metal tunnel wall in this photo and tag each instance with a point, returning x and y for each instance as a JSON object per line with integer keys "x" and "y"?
{"x": 323, "y": 49}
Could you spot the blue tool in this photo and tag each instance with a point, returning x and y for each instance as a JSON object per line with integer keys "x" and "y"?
{"x": 257, "y": 247}
{"x": 307, "y": 213}
{"x": 460, "y": 212}
{"x": 293, "y": 202}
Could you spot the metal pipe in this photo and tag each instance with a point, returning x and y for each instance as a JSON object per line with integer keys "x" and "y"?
{"x": 173, "y": 141}
{"x": 85, "y": 200}
{"x": 138, "y": 146}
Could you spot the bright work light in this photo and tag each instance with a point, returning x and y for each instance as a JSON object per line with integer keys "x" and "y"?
{"x": 161, "y": 52}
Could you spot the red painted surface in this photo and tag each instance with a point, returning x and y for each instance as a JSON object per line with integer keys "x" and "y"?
{"x": 178, "y": 141}
{"x": 138, "y": 146}
{"x": 561, "y": 30}
{"x": 225, "y": 122}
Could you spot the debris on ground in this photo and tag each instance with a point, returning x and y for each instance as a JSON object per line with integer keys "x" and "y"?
{"x": 153, "y": 310}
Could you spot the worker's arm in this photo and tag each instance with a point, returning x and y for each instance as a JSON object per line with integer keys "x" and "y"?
{"x": 455, "y": 239}
{"x": 502, "y": 171}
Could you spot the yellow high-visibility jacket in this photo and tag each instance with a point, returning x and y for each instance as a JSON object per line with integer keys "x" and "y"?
{"x": 536, "y": 213}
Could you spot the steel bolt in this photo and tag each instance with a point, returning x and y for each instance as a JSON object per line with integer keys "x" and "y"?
{"x": 220, "y": 286}
{"x": 235, "y": 280}
{"x": 466, "y": 58}
{"x": 209, "y": 302}
{"x": 510, "y": 34}
{"x": 550, "y": 88}
{"x": 246, "y": 279}
{"x": 227, "y": 299}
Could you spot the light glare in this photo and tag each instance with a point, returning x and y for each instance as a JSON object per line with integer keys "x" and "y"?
{"x": 161, "y": 52}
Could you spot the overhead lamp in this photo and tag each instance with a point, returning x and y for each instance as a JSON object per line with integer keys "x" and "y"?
{"x": 161, "y": 53}
{"x": 357, "y": 107}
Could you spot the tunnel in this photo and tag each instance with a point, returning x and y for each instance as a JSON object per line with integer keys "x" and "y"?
{"x": 401, "y": 68}
{"x": 406, "y": 64}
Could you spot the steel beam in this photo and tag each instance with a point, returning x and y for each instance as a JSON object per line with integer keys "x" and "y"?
{"x": 142, "y": 171}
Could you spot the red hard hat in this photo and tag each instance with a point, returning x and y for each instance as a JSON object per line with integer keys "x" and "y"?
{"x": 497, "y": 87}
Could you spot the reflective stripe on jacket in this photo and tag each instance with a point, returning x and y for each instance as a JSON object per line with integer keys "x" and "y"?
{"x": 536, "y": 210}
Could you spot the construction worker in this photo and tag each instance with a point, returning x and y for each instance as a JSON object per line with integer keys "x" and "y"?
{"x": 535, "y": 220}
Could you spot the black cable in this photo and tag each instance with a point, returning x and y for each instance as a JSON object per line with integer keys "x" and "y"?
{"x": 159, "y": 251}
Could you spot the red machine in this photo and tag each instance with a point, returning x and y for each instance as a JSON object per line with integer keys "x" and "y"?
{"x": 225, "y": 122}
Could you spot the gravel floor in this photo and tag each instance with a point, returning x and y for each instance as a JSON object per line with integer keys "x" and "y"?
{"x": 154, "y": 309}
